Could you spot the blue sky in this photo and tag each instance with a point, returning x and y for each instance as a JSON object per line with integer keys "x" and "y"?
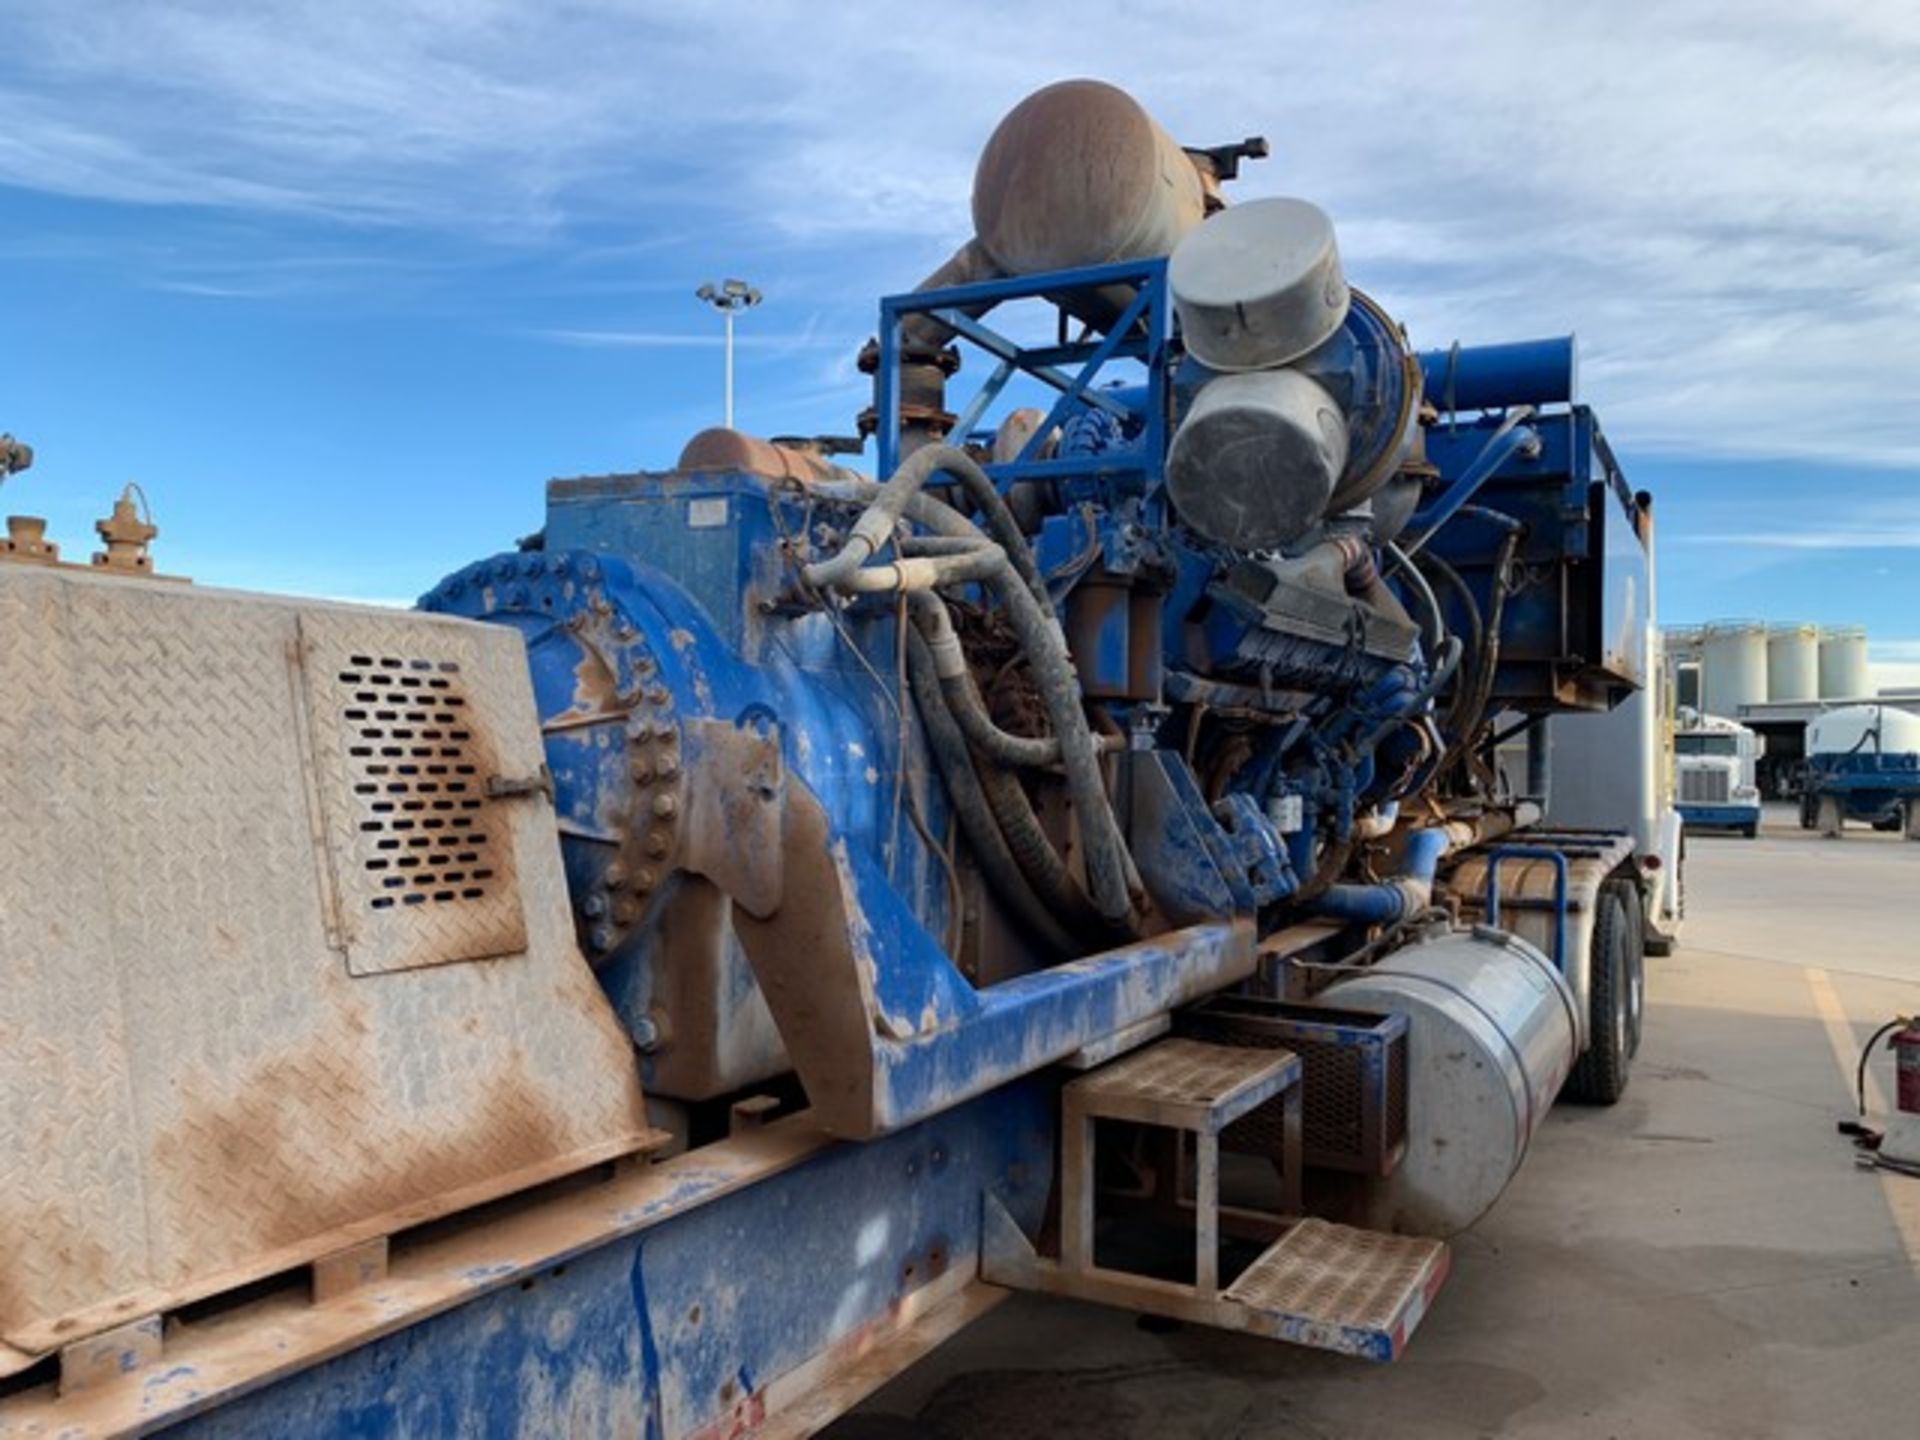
{"x": 342, "y": 284}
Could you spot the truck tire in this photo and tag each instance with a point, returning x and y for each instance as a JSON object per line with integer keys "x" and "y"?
{"x": 1752, "y": 832}
{"x": 1600, "y": 1075}
{"x": 1634, "y": 934}
{"x": 1830, "y": 820}
{"x": 1809, "y": 810}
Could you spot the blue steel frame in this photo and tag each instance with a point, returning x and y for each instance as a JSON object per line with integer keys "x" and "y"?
{"x": 680, "y": 1312}
{"x": 1143, "y": 332}
{"x": 1558, "y": 859}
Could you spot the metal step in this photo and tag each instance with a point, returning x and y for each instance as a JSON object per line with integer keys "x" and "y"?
{"x": 1327, "y": 1287}
{"x": 1185, "y": 1084}
{"x": 1181, "y": 1085}
{"x": 1333, "y": 1287}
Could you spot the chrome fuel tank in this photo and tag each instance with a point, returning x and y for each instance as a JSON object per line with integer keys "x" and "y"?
{"x": 1492, "y": 1033}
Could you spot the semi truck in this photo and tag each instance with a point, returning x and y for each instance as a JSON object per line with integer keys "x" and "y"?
{"x": 1714, "y": 760}
{"x": 709, "y": 952}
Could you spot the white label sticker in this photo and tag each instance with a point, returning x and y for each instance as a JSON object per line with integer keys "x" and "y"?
{"x": 707, "y": 513}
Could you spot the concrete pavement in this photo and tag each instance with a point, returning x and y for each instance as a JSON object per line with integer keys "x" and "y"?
{"x": 1700, "y": 1260}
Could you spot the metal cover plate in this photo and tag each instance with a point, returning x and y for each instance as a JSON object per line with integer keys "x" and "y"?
{"x": 194, "y": 1089}
{"x": 406, "y": 732}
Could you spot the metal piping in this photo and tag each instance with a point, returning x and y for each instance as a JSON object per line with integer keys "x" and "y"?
{"x": 1408, "y": 893}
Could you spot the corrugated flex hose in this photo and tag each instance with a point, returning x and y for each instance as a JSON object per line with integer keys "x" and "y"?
{"x": 1006, "y": 566}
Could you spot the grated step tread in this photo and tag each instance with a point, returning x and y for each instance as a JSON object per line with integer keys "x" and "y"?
{"x": 1193, "y": 1083}
{"x": 1354, "y": 1283}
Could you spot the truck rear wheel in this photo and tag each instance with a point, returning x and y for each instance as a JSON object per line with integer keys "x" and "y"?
{"x": 1600, "y": 1075}
{"x": 1634, "y": 933}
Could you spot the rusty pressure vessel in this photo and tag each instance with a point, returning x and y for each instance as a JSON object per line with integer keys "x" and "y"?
{"x": 1079, "y": 174}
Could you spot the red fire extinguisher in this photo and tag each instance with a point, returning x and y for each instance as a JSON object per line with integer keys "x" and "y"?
{"x": 1905, "y": 1044}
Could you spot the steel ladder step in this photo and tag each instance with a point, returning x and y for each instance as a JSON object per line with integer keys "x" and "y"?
{"x": 1332, "y": 1287}
{"x": 1186, "y": 1084}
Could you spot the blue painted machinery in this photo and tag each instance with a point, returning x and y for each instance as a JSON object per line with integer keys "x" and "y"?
{"x": 845, "y": 770}
{"x": 1174, "y": 662}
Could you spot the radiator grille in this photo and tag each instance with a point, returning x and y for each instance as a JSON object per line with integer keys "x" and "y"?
{"x": 1704, "y": 787}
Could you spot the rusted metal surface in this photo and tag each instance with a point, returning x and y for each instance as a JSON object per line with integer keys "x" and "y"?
{"x": 809, "y": 1399}
{"x": 127, "y": 534}
{"x": 731, "y": 450}
{"x": 228, "y": 1354}
{"x": 735, "y": 806}
{"x": 1079, "y": 174}
{"x": 27, "y": 541}
{"x": 196, "y": 1088}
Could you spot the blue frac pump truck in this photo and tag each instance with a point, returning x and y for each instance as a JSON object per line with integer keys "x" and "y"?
{"x": 710, "y": 952}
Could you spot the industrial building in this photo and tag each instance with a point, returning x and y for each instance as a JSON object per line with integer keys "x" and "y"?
{"x": 1773, "y": 678}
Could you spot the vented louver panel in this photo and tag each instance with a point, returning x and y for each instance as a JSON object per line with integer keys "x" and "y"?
{"x": 422, "y": 858}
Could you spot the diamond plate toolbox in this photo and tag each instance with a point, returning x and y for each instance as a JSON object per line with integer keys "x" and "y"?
{"x": 286, "y": 959}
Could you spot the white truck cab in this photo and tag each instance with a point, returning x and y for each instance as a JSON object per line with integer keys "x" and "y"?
{"x": 1714, "y": 761}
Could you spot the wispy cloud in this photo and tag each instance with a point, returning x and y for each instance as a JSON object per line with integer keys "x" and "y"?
{"x": 1834, "y": 522}
{"x": 1725, "y": 213}
{"x": 675, "y": 340}
{"x": 1816, "y": 538}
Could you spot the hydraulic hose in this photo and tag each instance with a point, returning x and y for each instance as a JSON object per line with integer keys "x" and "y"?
{"x": 963, "y": 696}
{"x": 978, "y": 823}
{"x": 1488, "y": 661}
{"x": 1017, "y": 584}
{"x": 1435, "y": 628}
{"x": 891, "y": 500}
{"x": 1476, "y": 631}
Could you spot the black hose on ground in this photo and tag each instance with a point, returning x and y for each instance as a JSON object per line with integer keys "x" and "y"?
{"x": 978, "y": 823}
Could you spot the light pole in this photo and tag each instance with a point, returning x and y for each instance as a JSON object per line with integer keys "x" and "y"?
{"x": 727, "y": 297}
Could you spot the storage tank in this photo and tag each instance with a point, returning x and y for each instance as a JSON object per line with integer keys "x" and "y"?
{"x": 1864, "y": 730}
{"x": 1793, "y": 662}
{"x": 1733, "y": 667}
{"x": 1843, "y": 663}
